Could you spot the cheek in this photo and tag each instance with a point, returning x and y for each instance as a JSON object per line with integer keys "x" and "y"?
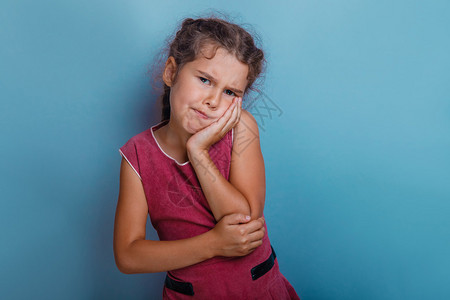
{"x": 178, "y": 100}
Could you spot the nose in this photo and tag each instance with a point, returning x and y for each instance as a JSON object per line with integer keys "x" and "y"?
{"x": 212, "y": 100}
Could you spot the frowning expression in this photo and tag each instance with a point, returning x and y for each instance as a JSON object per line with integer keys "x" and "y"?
{"x": 205, "y": 88}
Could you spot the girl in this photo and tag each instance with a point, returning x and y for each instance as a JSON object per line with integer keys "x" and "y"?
{"x": 199, "y": 174}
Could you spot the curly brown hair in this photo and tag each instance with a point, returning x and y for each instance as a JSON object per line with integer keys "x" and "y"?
{"x": 195, "y": 34}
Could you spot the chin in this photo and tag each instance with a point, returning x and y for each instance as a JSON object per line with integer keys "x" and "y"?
{"x": 193, "y": 129}
{"x": 197, "y": 127}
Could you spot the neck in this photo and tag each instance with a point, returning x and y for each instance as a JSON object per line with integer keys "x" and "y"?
{"x": 176, "y": 136}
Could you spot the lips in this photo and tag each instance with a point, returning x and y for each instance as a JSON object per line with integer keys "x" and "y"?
{"x": 201, "y": 114}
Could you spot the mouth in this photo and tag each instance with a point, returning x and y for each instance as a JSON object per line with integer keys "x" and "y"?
{"x": 201, "y": 114}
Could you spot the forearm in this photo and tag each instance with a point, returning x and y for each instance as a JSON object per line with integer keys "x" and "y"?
{"x": 223, "y": 198}
{"x": 148, "y": 256}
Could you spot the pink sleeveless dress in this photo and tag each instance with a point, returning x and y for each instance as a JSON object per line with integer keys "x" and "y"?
{"x": 178, "y": 209}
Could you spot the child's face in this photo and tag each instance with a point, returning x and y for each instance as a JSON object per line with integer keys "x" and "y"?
{"x": 204, "y": 89}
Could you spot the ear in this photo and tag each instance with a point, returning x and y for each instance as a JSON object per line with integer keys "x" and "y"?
{"x": 170, "y": 71}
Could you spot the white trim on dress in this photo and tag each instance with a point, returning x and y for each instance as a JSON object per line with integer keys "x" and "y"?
{"x": 232, "y": 136}
{"x": 151, "y": 129}
{"x": 130, "y": 164}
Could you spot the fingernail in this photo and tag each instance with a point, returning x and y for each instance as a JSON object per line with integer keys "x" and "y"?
{"x": 247, "y": 217}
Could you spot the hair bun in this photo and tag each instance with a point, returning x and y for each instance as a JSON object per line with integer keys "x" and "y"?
{"x": 188, "y": 22}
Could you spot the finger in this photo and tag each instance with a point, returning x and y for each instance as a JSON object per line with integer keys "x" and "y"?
{"x": 226, "y": 122}
{"x": 235, "y": 219}
{"x": 223, "y": 120}
{"x": 253, "y": 245}
{"x": 257, "y": 235}
{"x": 252, "y": 226}
{"x": 231, "y": 107}
{"x": 238, "y": 113}
{"x": 234, "y": 117}
{"x": 240, "y": 110}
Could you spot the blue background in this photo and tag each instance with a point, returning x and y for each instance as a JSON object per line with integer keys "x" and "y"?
{"x": 357, "y": 154}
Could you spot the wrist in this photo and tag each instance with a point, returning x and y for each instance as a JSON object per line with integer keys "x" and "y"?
{"x": 193, "y": 146}
{"x": 196, "y": 152}
{"x": 211, "y": 241}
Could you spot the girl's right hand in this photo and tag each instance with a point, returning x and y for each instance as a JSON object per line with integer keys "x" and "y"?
{"x": 234, "y": 235}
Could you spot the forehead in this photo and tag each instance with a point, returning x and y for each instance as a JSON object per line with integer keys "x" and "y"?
{"x": 223, "y": 66}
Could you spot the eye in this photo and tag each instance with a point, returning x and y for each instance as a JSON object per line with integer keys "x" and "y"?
{"x": 232, "y": 93}
{"x": 202, "y": 79}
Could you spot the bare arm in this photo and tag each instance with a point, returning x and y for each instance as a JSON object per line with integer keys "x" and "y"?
{"x": 245, "y": 192}
{"x": 134, "y": 254}
{"x": 223, "y": 198}
{"x": 247, "y": 172}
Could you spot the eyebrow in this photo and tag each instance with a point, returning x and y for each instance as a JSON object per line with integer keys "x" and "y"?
{"x": 213, "y": 79}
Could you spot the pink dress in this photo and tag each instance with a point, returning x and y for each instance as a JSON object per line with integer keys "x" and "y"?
{"x": 178, "y": 209}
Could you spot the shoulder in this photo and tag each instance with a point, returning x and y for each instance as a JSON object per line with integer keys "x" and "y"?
{"x": 246, "y": 129}
{"x": 133, "y": 149}
{"x": 141, "y": 138}
{"x": 248, "y": 120}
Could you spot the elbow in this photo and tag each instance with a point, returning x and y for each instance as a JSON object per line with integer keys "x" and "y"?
{"x": 256, "y": 214}
{"x": 244, "y": 210}
{"x": 123, "y": 261}
{"x": 256, "y": 210}
{"x": 124, "y": 270}
{"x": 123, "y": 266}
